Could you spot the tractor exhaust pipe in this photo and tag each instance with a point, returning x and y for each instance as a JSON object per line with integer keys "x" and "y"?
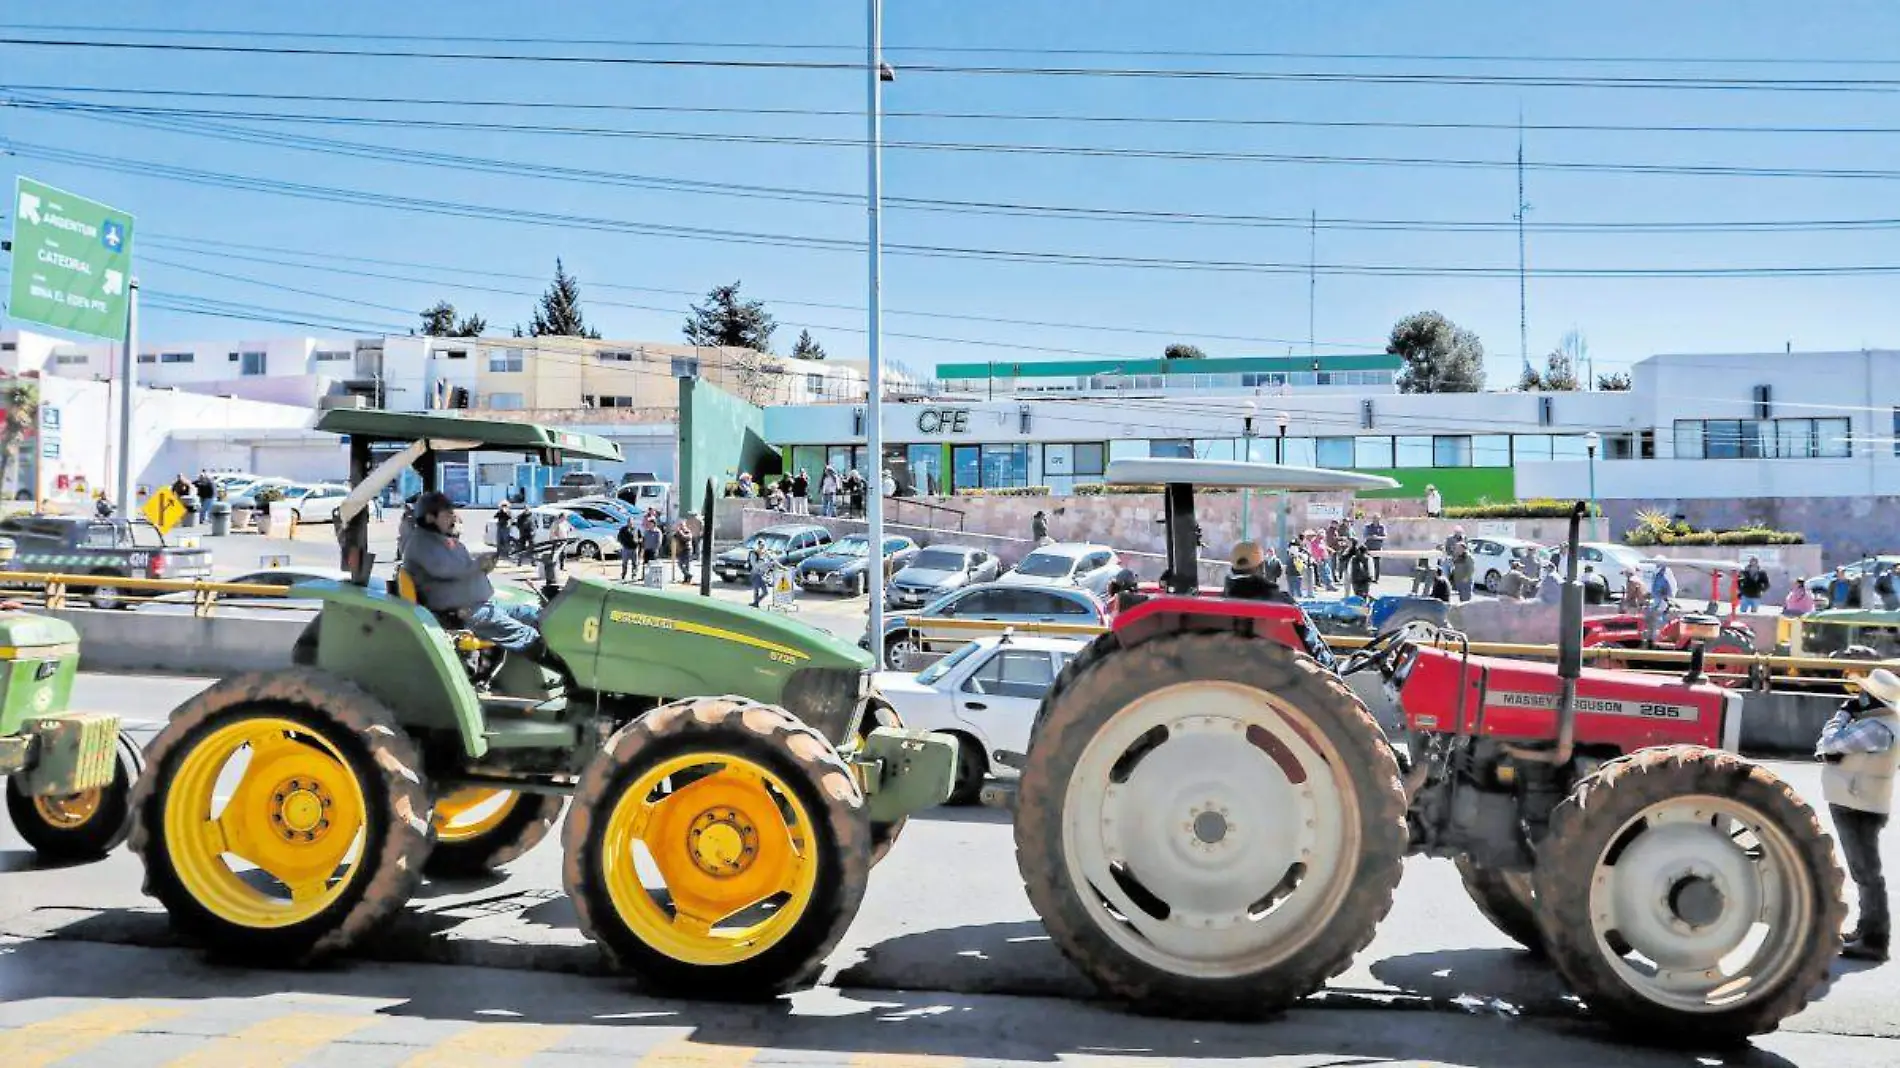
{"x": 705, "y": 543}
{"x": 1569, "y": 654}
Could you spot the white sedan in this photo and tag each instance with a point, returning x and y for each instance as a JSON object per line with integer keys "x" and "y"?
{"x": 1491, "y": 559}
{"x": 985, "y": 695}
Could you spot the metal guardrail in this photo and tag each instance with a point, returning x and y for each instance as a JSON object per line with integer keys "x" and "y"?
{"x": 53, "y": 589}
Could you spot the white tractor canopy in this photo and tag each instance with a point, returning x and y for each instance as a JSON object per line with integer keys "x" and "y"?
{"x": 1239, "y": 474}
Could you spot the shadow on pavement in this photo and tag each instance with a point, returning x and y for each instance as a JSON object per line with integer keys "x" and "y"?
{"x": 964, "y": 814}
{"x": 887, "y": 1022}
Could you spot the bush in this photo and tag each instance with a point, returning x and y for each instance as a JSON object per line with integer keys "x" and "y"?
{"x": 1539, "y": 508}
{"x": 267, "y": 495}
{"x": 1655, "y": 528}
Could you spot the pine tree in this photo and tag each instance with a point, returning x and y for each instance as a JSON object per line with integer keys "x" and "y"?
{"x": 1440, "y": 356}
{"x": 807, "y": 347}
{"x": 727, "y": 321}
{"x": 439, "y": 321}
{"x": 559, "y": 311}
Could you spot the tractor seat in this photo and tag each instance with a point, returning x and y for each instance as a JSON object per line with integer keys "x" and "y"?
{"x": 464, "y": 640}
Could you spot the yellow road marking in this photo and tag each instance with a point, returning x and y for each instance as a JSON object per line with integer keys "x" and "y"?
{"x": 276, "y": 1042}
{"x": 686, "y": 1054}
{"x": 488, "y": 1045}
{"x": 904, "y": 1060}
{"x": 35, "y": 1045}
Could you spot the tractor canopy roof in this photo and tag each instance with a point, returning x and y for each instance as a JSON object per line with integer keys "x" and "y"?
{"x": 452, "y": 432}
{"x": 1851, "y": 617}
{"x": 1239, "y": 474}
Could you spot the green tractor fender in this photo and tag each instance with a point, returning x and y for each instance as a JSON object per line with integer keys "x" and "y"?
{"x": 400, "y": 654}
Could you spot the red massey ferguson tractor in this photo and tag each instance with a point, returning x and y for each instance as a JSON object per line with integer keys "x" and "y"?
{"x": 1210, "y": 823}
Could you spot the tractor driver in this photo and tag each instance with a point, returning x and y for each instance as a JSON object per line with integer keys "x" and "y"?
{"x": 1255, "y": 576}
{"x": 453, "y": 583}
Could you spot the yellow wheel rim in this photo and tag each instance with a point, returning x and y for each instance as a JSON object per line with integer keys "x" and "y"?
{"x": 733, "y": 849}
{"x": 293, "y": 821}
{"x": 69, "y": 812}
{"x": 471, "y": 812}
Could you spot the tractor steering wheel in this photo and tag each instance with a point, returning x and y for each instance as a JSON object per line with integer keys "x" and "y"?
{"x": 1374, "y": 652}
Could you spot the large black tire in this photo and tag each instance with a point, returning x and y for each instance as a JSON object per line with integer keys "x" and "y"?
{"x": 107, "y": 598}
{"x": 387, "y": 768}
{"x": 1595, "y": 826}
{"x": 303, "y": 652}
{"x": 774, "y": 739}
{"x": 85, "y": 826}
{"x": 529, "y": 819}
{"x": 973, "y": 766}
{"x": 1089, "y": 697}
{"x": 1507, "y": 899}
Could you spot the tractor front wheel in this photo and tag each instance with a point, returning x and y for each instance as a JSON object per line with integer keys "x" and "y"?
{"x": 755, "y": 830}
{"x": 478, "y": 829}
{"x": 1689, "y": 893}
{"x": 81, "y": 826}
{"x": 1506, "y": 898}
{"x": 1209, "y": 825}
{"x": 284, "y": 816}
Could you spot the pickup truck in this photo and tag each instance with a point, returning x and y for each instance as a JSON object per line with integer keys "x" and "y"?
{"x": 577, "y": 484}
{"x": 79, "y": 545}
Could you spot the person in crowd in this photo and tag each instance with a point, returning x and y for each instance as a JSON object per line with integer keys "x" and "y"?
{"x": 453, "y": 583}
{"x": 887, "y": 484}
{"x": 1434, "y": 503}
{"x": 628, "y": 538}
{"x": 1297, "y": 568}
{"x": 1422, "y": 577}
{"x": 1884, "y": 588}
{"x": 1634, "y": 594}
{"x": 650, "y": 538}
{"x": 1751, "y": 585}
{"x": 1375, "y": 541}
{"x": 747, "y": 488}
{"x": 682, "y": 545}
{"x": 504, "y": 531}
{"x": 1550, "y": 588}
{"x": 1358, "y": 569}
{"x": 1596, "y": 588}
{"x": 801, "y": 493}
{"x": 1861, "y": 757}
{"x": 1440, "y": 589}
{"x": 854, "y": 488}
{"x": 828, "y": 486}
{"x": 560, "y": 529}
{"x": 1039, "y": 527}
{"x": 1800, "y": 600}
{"x": 1841, "y": 590}
{"x": 1514, "y": 583}
{"x": 1248, "y": 579}
{"x": 1463, "y": 567}
{"x": 207, "y": 492}
{"x": 1454, "y": 541}
{"x": 1322, "y": 558}
{"x": 784, "y": 486}
{"x": 759, "y": 566}
{"x": 1662, "y": 590}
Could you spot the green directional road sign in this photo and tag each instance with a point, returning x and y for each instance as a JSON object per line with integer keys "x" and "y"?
{"x": 72, "y": 262}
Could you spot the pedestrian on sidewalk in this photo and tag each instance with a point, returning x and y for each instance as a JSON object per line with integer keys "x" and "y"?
{"x": 1861, "y": 755}
{"x": 1375, "y": 541}
{"x": 828, "y": 485}
{"x": 1434, "y": 504}
{"x": 1751, "y": 585}
{"x": 628, "y": 537}
{"x": 207, "y": 492}
{"x": 683, "y": 551}
{"x": 854, "y": 488}
{"x": 1297, "y": 566}
{"x": 650, "y": 537}
{"x": 1039, "y": 527}
{"x": 1463, "y": 567}
{"x": 801, "y": 493}
{"x": 1841, "y": 590}
{"x": 759, "y": 566}
{"x": 1358, "y": 570}
{"x": 504, "y": 530}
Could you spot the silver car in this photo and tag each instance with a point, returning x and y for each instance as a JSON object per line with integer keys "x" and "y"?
{"x": 936, "y": 571}
{"x": 1089, "y": 566}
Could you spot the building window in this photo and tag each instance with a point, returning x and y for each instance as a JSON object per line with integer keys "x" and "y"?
{"x": 68, "y": 360}
{"x": 505, "y": 402}
{"x": 505, "y": 361}
{"x": 1720, "y": 439}
{"x": 148, "y": 357}
{"x": 1412, "y": 451}
{"x": 1297, "y": 451}
{"x": 1896, "y": 431}
{"x": 1619, "y": 446}
{"x": 177, "y": 357}
{"x": 1491, "y": 450}
{"x": 252, "y": 364}
{"x": 685, "y": 367}
{"x": 330, "y": 356}
{"x": 1091, "y": 459}
{"x": 1451, "y": 450}
{"x": 612, "y": 401}
{"x": 8, "y": 346}
{"x": 1005, "y": 466}
{"x": 1568, "y": 447}
{"x": 456, "y": 354}
{"x": 1830, "y": 439}
{"x": 1334, "y": 452}
{"x": 614, "y": 356}
{"x": 1177, "y": 448}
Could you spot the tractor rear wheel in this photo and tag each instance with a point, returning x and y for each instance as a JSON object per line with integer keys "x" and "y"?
{"x": 478, "y": 829}
{"x": 1209, "y": 825}
{"x": 1506, "y": 899}
{"x": 284, "y": 816}
{"x": 85, "y": 825}
{"x": 1690, "y": 893}
{"x": 755, "y": 828}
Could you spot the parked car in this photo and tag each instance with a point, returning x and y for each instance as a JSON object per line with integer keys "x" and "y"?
{"x": 247, "y": 496}
{"x": 790, "y": 543}
{"x": 594, "y": 537}
{"x": 984, "y": 695}
{"x": 77, "y": 545}
{"x": 1616, "y": 563}
{"x": 315, "y": 504}
{"x": 645, "y": 493}
{"x": 936, "y": 571}
{"x": 1818, "y": 585}
{"x": 576, "y": 484}
{"x": 613, "y": 506}
{"x": 845, "y": 566}
{"x": 1491, "y": 558}
{"x": 1089, "y": 566}
{"x": 994, "y": 607}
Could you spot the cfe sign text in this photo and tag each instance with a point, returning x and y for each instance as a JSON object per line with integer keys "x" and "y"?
{"x": 943, "y": 421}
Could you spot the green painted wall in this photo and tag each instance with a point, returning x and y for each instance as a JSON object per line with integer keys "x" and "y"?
{"x": 1457, "y": 485}
{"x": 720, "y": 436}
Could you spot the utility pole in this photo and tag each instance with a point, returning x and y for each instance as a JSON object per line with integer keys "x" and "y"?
{"x": 128, "y": 382}
{"x": 1312, "y": 278}
{"x": 1523, "y": 206}
{"x": 874, "y": 327}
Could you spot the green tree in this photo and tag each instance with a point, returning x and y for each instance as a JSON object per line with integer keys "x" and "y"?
{"x": 1181, "y": 351}
{"x": 1614, "y": 382}
{"x": 19, "y": 417}
{"x": 807, "y": 347}
{"x": 441, "y": 321}
{"x": 729, "y": 321}
{"x": 559, "y": 312}
{"x": 1440, "y": 356}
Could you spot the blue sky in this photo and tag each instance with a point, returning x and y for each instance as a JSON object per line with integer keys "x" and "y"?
{"x": 1624, "y": 320}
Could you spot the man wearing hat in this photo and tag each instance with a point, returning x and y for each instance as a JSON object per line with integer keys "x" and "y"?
{"x": 1251, "y": 578}
{"x": 453, "y": 582}
{"x": 1859, "y": 746}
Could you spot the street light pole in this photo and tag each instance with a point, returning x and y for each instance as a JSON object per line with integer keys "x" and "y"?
{"x": 1590, "y": 443}
{"x": 874, "y": 327}
{"x": 1246, "y": 495}
{"x": 1280, "y": 421}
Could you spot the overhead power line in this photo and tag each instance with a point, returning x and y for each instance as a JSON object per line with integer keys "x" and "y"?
{"x": 1518, "y": 81}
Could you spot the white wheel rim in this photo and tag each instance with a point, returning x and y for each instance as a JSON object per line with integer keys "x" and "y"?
{"x": 902, "y": 650}
{"x": 1246, "y": 863}
{"x": 1699, "y": 905}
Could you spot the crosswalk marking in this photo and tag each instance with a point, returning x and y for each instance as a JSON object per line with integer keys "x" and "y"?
{"x": 489, "y": 1045}
{"x": 276, "y": 1042}
{"x": 685, "y": 1054}
{"x": 904, "y": 1060}
{"x": 36, "y": 1045}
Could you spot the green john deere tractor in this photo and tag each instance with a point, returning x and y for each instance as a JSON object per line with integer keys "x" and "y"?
{"x": 732, "y": 785}
{"x": 69, "y": 774}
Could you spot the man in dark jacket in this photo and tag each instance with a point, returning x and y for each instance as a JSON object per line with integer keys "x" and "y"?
{"x": 453, "y": 583}
{"x": 1751, "y": 585}
{"x": 628, "y": 538}
{"x": 1358, "y": 570}
{"x": 1375, "y": 540}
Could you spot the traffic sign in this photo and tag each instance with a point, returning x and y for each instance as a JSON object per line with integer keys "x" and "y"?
{"x": 164, "y": 509}
{"x": 72, "y": 261}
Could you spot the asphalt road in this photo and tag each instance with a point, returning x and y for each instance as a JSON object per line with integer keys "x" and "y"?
{"x": 945, "y": 959}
